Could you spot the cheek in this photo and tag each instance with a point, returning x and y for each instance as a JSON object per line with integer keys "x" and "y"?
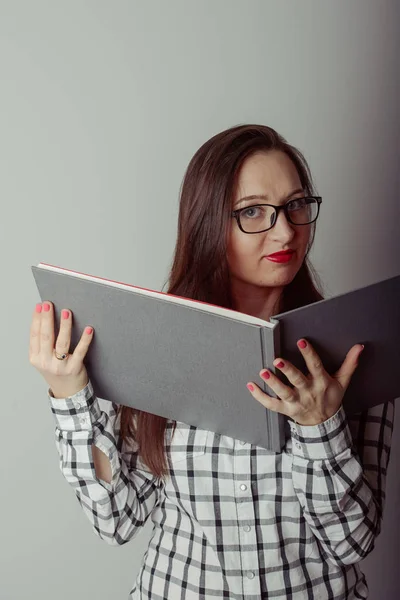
{"x": 305, "y": 236}
{"x": 301, "y": 234}
{"x": 243, "y": 252}
{"x": 243, "y": 248}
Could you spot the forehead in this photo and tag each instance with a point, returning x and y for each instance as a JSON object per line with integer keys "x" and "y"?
{"x": 264, "y": 172}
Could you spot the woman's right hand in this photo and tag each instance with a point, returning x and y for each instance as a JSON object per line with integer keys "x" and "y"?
{"x": 65, "y": 377}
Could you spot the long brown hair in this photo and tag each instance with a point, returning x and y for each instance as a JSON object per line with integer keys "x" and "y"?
{"x": 199, "y": 268}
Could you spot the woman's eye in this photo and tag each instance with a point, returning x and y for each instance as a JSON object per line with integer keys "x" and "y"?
{"x": 297, "y": 203}
{"x": 250, "y": 211}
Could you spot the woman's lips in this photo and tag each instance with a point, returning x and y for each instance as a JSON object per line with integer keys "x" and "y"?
{"x": 280, "y": 258}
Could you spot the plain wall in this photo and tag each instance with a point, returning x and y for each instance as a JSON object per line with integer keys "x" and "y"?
{"x": 102, "y": 106}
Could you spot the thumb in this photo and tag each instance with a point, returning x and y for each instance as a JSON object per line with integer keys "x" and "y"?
{"x": 349, "y": 365}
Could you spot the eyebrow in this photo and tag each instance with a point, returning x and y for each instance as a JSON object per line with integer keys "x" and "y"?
{"x": 265, "y": 197}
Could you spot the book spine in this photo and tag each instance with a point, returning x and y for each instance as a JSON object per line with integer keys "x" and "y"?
{"x": 270, "y": 347}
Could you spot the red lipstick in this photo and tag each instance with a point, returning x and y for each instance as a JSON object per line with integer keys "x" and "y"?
{"x": 281, "y": 257}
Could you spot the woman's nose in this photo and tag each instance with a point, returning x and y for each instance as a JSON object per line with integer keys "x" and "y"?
{"x": 281, "y": 222}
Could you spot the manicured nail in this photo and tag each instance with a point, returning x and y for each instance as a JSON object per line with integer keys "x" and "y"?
{"x": 302, "y": 343}
{"x": 265, "y": 375}
{"x": 46, "y": 307}
{"x": 280, "y": 364}
{"x": 250, "y": 387}
{"x": 65, "y": 314}
{"x": 89, "y": 330}
{"x": 38, "y": 308}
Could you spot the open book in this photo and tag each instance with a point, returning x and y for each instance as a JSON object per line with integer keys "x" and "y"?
{"x": 190, "y": 361}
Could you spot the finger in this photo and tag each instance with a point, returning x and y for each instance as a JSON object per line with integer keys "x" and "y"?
{"x": 349, "y": 365}
{"x": 294, "y": 375}
{"x": 47, "y": 329}
{"x": 313, "y": 361}
{"x": 274, "y": 404}
{"x": 63, "y": 341}
{"x": 83, "y": 346}
{"x": 34, "y": 334}
{"x": 283, "y": 391}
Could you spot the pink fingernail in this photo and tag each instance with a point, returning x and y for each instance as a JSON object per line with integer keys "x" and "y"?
{"x": 302, "y": 344}
{"x": 46, "y": 307}
{"x": 265, "y": 375}
{"x": 89, "y": 330}
{"x": 65, "y": 314}
{"x": 38, "y": 308}
{"x": 250, "y": 387}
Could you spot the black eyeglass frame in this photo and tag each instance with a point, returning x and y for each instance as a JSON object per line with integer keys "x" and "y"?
{"x": 236, "y": 213}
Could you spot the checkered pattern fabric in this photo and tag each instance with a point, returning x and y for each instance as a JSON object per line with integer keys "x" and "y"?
{"x": 234, "y": 520}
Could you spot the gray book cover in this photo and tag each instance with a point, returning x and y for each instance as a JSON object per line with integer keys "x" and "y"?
{"x": 369, "y": 315}
{"x": 168, "y": 359}
{"x": 190, "y": 365}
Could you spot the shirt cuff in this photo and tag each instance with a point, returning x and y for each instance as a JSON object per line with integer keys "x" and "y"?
{"x": 322, "y": 441}
{"x": 77, "y": 412}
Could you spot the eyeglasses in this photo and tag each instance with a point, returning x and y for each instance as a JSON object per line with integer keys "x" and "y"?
{"x": 261, "y": 217}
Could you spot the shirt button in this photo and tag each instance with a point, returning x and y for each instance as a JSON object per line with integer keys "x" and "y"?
{"x": 242, "y": 443}
{"x": 250, "y": 574}
{"x": 83, "y": 421}
{"x": 298, "y": 446}
{"x": 246, "y": 528}
{"x": 243, "y": 487}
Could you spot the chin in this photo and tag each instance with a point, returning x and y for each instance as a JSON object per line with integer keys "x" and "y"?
{"x": 279, "y": 278}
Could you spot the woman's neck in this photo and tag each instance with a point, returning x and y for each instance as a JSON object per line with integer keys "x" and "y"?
{"x": 260, "y": 302}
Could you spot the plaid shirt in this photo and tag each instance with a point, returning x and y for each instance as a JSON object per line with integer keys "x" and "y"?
{"x": 234, "y": 520}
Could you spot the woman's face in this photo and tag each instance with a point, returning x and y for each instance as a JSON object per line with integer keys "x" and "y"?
{"x": 274, "y": 175}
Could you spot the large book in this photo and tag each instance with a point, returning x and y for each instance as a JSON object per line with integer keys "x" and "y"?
{"x": 189, "y": 361}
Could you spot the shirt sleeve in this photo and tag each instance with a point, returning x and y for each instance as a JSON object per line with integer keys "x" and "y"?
{"x": 339, "y": 475}
{"x": 116, "y": 510}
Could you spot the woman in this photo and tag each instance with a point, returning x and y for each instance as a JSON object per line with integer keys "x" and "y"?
{"x": 231, "y": 520}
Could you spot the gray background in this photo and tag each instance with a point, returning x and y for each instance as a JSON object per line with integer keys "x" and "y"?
{"x": 102, "y": 106}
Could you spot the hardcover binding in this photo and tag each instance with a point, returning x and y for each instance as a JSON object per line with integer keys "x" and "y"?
{"x": 271, "y": 347}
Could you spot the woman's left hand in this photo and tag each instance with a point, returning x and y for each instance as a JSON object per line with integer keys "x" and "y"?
{"x": 314, "y": 398}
